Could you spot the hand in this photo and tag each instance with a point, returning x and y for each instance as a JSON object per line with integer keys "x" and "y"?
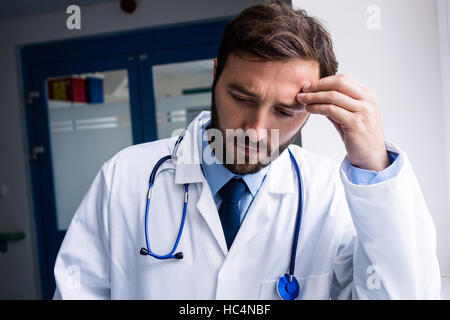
{"x": 353, "y": 110}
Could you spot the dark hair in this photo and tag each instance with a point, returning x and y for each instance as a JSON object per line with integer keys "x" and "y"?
{"x": 275, "y": 31}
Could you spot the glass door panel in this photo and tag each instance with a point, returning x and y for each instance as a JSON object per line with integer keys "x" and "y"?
{"x": 89, "y": 121}
{"x": 182, "y": 90}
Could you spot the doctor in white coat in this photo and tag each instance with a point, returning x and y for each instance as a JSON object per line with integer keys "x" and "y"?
{"x": 366, "y": 232}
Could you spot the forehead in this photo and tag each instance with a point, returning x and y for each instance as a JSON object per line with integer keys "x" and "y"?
{"x": 251, "y": 71}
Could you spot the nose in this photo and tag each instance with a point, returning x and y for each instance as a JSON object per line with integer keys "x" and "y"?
{"x": 258, "y": 123}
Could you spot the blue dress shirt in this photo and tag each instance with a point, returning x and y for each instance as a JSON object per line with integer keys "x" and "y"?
{"x": 218, "y": 175}
{"x": 366, "y": 177}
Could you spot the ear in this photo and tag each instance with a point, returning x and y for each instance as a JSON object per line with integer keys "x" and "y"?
{"x": 215, "y": 67}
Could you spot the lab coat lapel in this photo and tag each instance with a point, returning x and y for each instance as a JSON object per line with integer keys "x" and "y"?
{"x": 188, "y": 170}
{"x": 207, "y": 208}
{"x": 279, "y": 181}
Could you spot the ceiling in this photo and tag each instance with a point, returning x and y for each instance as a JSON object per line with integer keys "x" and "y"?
{"x": 20, "y": 8}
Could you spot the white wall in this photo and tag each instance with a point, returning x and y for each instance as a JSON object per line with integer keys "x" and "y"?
{"x": 443, "y": 7}
{"x": 401, "y": 62}
{"x": 19, "y": 274}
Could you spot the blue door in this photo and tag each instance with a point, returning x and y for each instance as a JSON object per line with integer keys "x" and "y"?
{"x": 70, "y": 140}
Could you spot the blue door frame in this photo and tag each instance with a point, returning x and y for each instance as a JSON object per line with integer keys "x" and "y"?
{"x": 135, "y": 51}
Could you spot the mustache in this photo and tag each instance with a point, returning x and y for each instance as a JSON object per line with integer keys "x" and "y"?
{"x": 254, "y": 144}
{"x": 246, "y": 141}
{"x": 238, "y": 137}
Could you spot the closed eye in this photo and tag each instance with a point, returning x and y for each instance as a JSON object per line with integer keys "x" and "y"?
{"x": 240, "y": 99}
{"x": 285, "y": 114}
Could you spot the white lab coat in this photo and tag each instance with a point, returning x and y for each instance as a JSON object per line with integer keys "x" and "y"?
{"x": 356, "y": 242}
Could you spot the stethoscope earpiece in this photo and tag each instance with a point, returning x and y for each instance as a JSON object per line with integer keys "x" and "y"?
{"x": 179, "y": 255}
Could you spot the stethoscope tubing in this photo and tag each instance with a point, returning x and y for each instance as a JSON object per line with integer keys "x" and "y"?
{"x": 170, "y": 255}
{"x": 299, "y": 215}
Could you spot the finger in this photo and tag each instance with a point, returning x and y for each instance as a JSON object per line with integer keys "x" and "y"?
{"x": 337, "y": 83}
{"x": 367, "y": 90}
{"x": 337, "y": 126}
{"x": 336, "y": 113}
{"x": 330, "y": 97}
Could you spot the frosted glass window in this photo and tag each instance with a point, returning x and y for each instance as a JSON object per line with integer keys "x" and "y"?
{"x": 182, "y": 91}
{"x": 84, "y": 135}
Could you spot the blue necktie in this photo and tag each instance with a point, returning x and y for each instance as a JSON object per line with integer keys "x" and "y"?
{"x": 229, "y": 213}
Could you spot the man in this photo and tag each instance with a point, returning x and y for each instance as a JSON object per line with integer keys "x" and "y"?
{"x": 365, "y": 229}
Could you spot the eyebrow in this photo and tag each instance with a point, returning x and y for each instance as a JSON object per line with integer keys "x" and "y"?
{"x": 243, "y": 90}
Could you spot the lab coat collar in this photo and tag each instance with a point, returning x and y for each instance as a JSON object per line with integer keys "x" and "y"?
{"x": 188, "y": 168}
{"x": 281, "y": 175}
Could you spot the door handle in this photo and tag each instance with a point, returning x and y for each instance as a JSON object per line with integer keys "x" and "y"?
{"x": 9, "y": 237}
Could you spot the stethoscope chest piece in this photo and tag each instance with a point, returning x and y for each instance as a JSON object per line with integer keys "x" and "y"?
{"x": 288, "y": 287}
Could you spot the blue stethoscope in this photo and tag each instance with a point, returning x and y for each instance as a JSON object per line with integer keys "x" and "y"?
{"x": 287, "y": 286}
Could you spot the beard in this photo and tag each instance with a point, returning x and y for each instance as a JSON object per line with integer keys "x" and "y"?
{"x": 248, "y": 166}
